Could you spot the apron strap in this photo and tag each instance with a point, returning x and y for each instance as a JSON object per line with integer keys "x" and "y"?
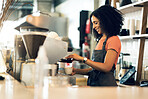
{"x": 104, "y": 43}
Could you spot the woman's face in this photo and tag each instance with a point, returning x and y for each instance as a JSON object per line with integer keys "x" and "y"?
{"x": 96, "y": 24}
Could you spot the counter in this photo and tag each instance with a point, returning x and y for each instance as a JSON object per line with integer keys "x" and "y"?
{"x": 12, "y": 89}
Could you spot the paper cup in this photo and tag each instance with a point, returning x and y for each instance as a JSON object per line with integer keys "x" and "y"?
{"x": 68, "y": 70}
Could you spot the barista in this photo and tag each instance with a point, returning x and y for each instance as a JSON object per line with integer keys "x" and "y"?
{"x": 107, "y": 22}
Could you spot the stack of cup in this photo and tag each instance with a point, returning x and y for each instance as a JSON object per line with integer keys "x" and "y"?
{"x": 132, "y": 27}
{"x": 61, "y": 68}
{"x": 137, "y": 24}
{"x": 68, "y": 68}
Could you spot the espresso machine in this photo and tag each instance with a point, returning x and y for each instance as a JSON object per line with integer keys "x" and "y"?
{"x": 34, "y": 31}
{"x": 20, "y": 56}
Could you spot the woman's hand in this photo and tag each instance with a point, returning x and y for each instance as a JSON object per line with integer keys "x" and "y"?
{"x": 75, "y": 57}
{"x": 73, "y": 71}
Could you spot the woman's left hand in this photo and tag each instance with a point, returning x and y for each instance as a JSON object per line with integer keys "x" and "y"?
{"x": 75, "y": 57}
{"x": 73, "y": 71}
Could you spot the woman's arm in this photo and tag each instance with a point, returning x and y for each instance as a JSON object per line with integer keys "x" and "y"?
{"x": 81, "y": 71}
{"x": 110, "y": 59}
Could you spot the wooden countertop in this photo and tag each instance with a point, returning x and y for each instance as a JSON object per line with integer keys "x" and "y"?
{"x": 12, "y": 89}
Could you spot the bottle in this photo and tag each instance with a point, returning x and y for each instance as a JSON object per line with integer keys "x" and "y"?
{"x": 85, "y": 48}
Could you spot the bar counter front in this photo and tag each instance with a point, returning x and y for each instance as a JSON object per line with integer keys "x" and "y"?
{"x": 12, "y": 89}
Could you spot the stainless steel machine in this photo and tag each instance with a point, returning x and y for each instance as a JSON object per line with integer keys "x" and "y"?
{"x": 33, "y": 30}
{"x": 32, "y": 41}
{"x": 34, "y": 34}
{"x": 20, "y": 56}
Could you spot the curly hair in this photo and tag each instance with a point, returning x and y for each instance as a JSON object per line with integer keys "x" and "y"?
{"x": 111, "y": 20}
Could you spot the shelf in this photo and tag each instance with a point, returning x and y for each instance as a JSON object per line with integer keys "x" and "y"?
{"x": 143, "y": 7}
{"x": 133, "y": 7}
{"x": 133, "y": 37}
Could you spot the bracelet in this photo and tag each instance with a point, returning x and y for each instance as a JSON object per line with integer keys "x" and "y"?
{"x": 84, "y": 60}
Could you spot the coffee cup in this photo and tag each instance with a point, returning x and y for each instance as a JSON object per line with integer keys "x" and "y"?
{"x": 68, "y": 70}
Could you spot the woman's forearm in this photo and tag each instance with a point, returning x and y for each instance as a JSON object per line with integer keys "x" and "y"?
{"x": 83, "y": 71}
{"x": 98, "y": 66}
{"x": 110, "y": 59}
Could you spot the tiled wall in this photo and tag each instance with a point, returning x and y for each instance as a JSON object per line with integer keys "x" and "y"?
{"x": 131, "y": 46}
{"x": 145, "y": 60}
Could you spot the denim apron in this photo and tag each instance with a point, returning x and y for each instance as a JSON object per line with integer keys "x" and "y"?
{"x": 99, "y": 78}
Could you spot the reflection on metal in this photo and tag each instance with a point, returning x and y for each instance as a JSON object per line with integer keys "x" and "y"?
{"x": 40, "y": 21}
{"x": 2, "y": 63}
{"x": 45, "y": 6}
{"x": 55, "y": 49}
{"x": 44, "y": 21}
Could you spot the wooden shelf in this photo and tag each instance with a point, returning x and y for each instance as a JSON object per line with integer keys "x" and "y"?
{"x": 143, "y": 7}
{"x": 133, "y": 7}
{"x": 133, "y": 37}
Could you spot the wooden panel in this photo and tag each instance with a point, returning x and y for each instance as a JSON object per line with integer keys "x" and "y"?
{"x": 142, "y": 43}
{"x": 114, "y": 3}
{"x": 143, "y": 23}
{"x": 140, "y": 60}
{"x": 110, "y": 2}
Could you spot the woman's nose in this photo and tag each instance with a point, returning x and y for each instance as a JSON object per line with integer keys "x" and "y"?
{"x": 94, "y": 26}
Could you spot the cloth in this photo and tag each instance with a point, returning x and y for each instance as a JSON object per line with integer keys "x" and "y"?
{"x": 98, "y": 78}
{"x": 112, "y": 43}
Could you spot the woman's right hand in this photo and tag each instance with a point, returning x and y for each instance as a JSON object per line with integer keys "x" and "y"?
{"x": 75, "y": 57}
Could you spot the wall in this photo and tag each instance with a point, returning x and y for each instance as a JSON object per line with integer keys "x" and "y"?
{"x": 71, "y": 9}
{"x": 131, "y": 46}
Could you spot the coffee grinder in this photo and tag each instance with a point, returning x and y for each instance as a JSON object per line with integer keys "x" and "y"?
{"x": 33, "y": 38}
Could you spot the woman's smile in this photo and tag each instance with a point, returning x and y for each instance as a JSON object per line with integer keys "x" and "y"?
{"x": 96, "y": 24}
{"x": 97, "y": 29}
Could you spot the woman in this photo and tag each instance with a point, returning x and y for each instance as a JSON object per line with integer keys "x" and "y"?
{"x": 107, "y": 22}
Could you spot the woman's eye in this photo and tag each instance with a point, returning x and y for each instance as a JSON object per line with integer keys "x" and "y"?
{"x": 95, "y": 22}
